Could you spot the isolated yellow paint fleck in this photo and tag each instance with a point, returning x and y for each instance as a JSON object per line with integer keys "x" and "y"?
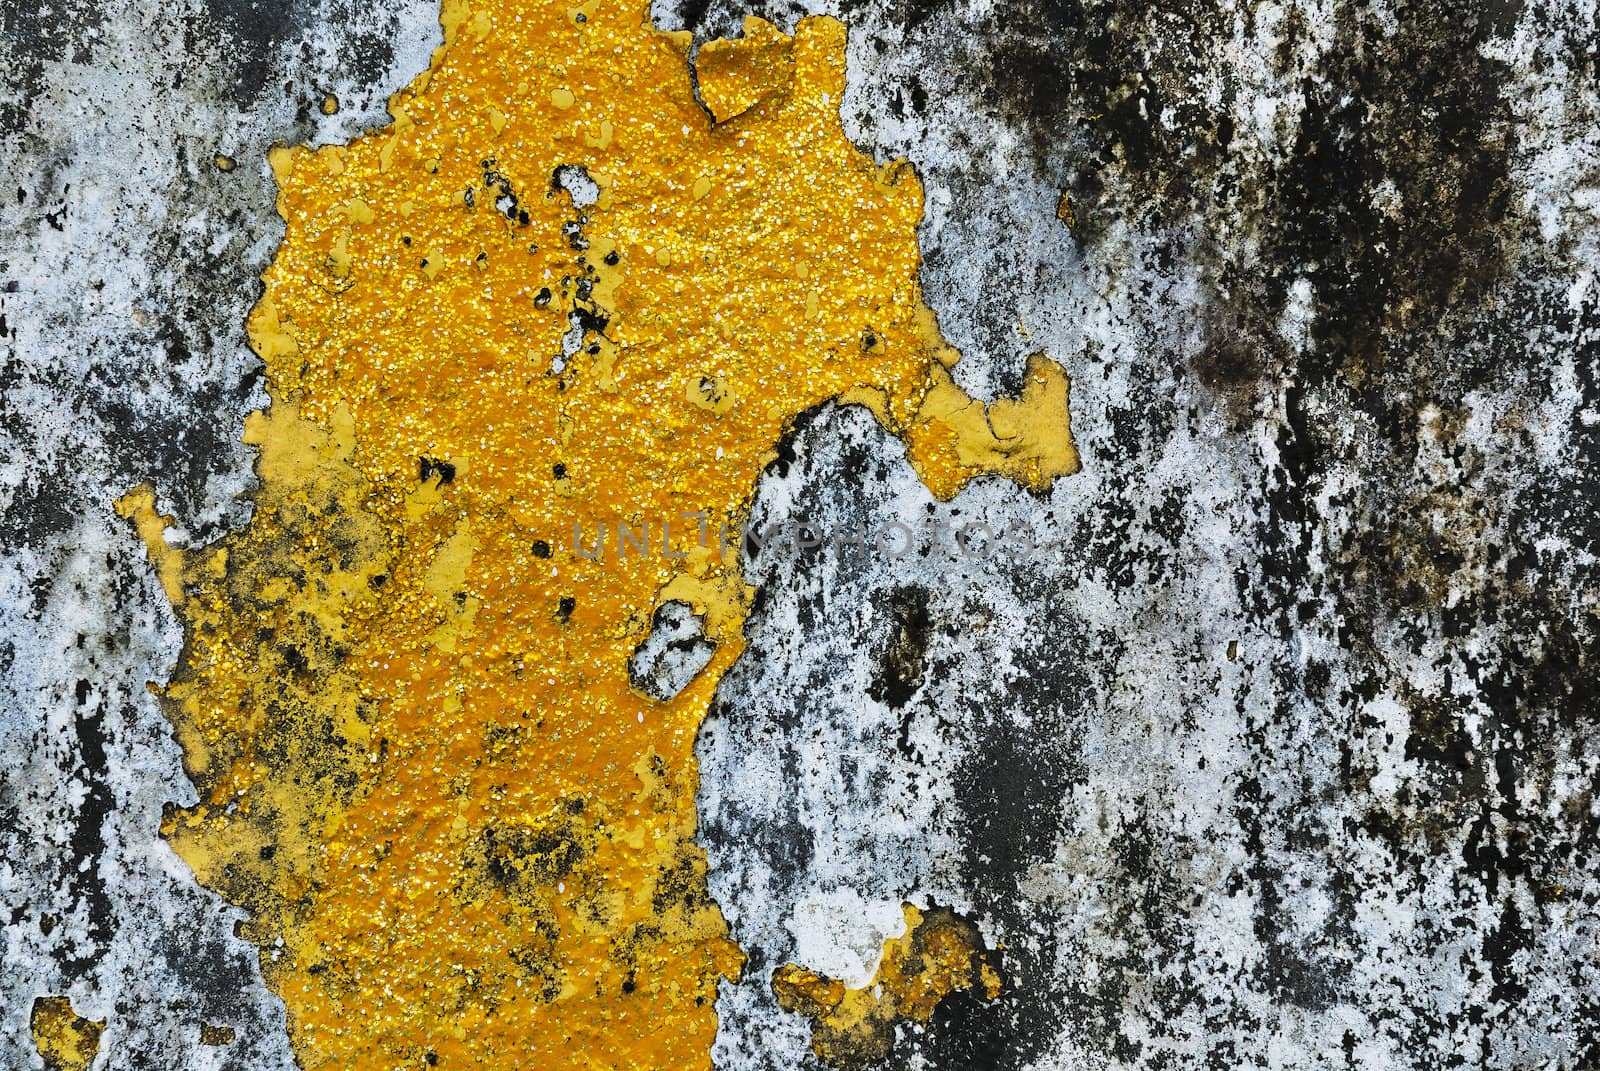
{"x": 215, "y": 1035}
{"x": 463, "y": 839}
{"x": 1064, "y": 211}
{"x": 939, "y": 954}
{"x": 64, "y": 1039}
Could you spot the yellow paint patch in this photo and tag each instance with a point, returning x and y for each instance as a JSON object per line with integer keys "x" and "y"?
{"x": 1065, "y": 213}
{"x": 463, "y": 839}
{"x": 216, "y": 1035}
{"x": 941, "y": 953}
{"x": 139, "y": 506}
{"x": 1027, "y": 439}
{"x": 735, "y": 76}
{"x": 65, "y": 1040}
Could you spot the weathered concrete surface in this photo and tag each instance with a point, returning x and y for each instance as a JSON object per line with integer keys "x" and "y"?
{"x": 1285, "y": 755}
{"x": 128, "y": 260}
{"x": 1281, "y": 753}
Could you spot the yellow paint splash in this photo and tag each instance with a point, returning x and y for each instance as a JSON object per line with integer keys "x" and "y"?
{"x": 941, "y": 953}
{"x": 552, "y": 291}
{"x": 65, "y": 1040}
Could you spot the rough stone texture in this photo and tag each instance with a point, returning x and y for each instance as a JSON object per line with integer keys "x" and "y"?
{"x": 1280, "y": 752}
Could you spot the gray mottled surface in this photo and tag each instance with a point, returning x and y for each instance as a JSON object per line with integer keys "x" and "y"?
{"x": 1281, "y": 752}
{"x": 1286, "y": 757}
{"x": 128, "y": 260}
{"x": 673, "y": 654}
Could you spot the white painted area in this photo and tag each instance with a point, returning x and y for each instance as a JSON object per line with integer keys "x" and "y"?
{"x": 840, "y": 934}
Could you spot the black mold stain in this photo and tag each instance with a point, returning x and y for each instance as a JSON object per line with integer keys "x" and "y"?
{"x": 428, "y": 468}
{"x": 36, "y": 36}
{"x": 259, "y": 32}
{"x": 88, "y": 829}
{"x": 968, "y": 1032}
{"x": 902, "y": 657}
{"x": 262, "y": 35}
{"x": 518, "y": 858}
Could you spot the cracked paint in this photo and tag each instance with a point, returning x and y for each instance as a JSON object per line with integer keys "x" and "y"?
{"x": 461, "y": 834}
{"x": 1277, "y": 751}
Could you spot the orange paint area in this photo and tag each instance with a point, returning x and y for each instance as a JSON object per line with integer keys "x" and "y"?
{"x": 941, "y": 953}
{"x": 553, "y": 291}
